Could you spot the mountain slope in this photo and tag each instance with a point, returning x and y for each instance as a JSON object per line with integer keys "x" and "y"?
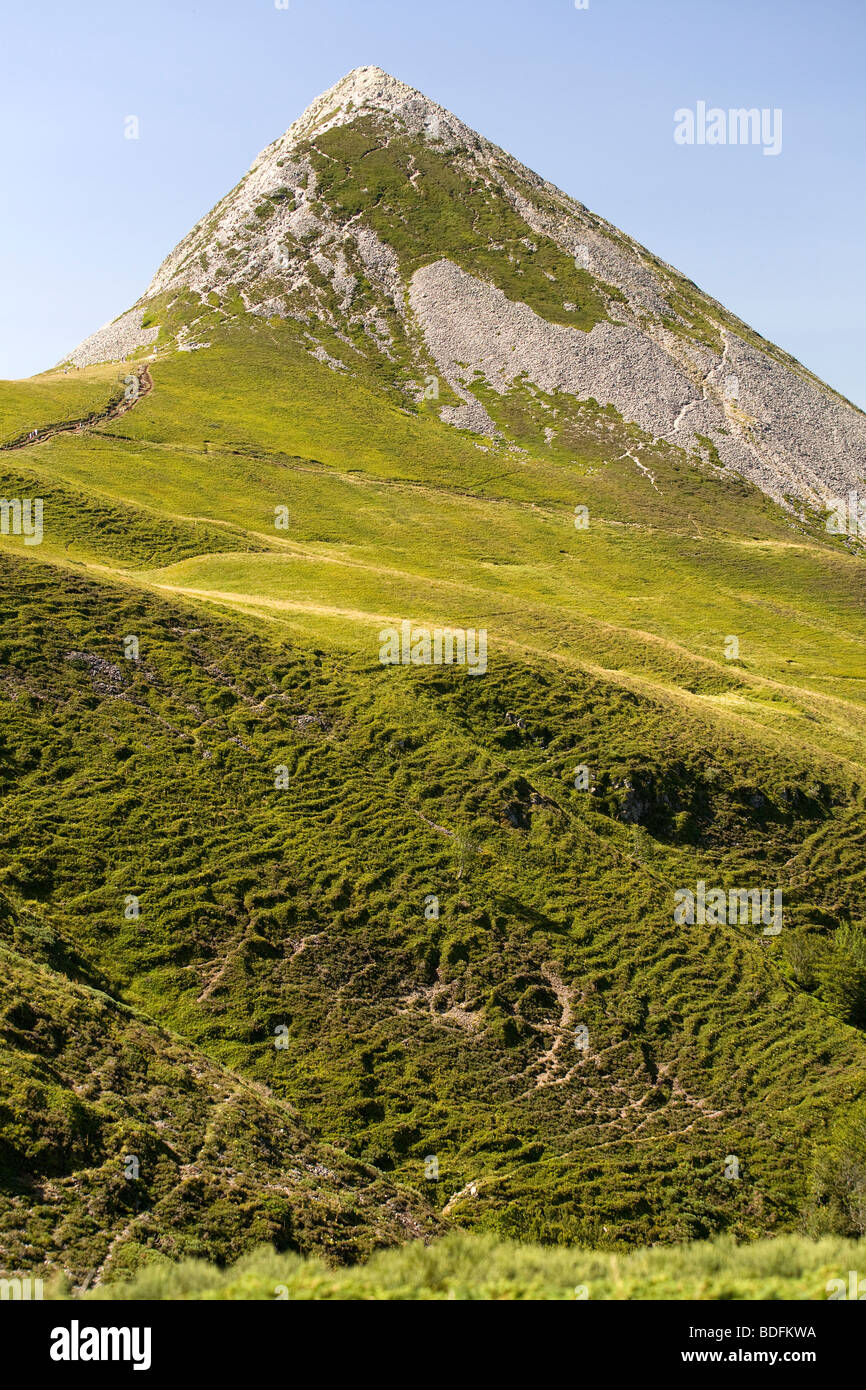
{"x": 381, "y": 215}
{"x": 456, "y": 1037}
{"x": 119, "y": 1143}
{"x": 386, "y": 371}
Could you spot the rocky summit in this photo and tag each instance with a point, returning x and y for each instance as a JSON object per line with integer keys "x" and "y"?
{"x": 344, "y": 220}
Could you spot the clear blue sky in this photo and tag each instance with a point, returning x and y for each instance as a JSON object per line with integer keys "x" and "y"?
{"x": 585, "y": 97}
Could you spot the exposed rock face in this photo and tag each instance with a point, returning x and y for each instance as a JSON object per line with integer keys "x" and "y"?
{"x": 781, "y": 431}
{"x": 112, "y": 342}
{"x": 668, "y": 357}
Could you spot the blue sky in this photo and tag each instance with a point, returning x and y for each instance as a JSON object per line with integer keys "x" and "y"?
{"x": 585, "y": 97}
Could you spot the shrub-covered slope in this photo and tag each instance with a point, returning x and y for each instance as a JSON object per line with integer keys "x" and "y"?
{"x": 381, "y": 895}
{"x": 119, "y": 1142}
{"x": 578, "y": 1065}
{"x": 479, "y": 1267}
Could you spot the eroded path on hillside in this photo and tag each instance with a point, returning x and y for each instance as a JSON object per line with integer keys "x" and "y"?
{"x": 131, "y": 396}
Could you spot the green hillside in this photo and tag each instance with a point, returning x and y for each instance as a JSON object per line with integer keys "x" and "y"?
{"x": 217, "y": 858}
{"x": 119, "y": 1143}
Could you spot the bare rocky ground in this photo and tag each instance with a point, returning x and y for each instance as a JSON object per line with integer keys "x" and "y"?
{"x": 780, "y": 431}
{"x": 769, "y": 419}
{"x": 114, "y": 341}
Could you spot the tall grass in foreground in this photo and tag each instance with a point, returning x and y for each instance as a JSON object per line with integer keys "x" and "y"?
{"x": 466, "y": 1266}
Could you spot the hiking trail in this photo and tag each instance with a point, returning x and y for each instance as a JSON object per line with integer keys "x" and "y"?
{"x": 112, "y": 412}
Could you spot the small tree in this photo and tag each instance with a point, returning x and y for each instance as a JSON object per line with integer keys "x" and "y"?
{"x": 466, "y": 848}
{"x": 838, "y": 1186}
{"x": 843, "y": 975}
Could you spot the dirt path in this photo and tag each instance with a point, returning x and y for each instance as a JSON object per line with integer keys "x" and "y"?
{"x": 113, "y": 412}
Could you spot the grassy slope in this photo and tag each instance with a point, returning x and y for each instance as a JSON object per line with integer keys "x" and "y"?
{"x": 304, "y": 907}
{"x": 478, "y": 1267}
{"x": 409, "y": 1037}
{"x": 394, "y": 514}
{"x": 89, "y": 1084}
{"x": 56, "y": 396}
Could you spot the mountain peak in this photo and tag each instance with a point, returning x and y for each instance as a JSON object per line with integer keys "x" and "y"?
{"x": 363, "y": 86}
{"x": 370, "y": 90}
{"x": 380, "y": 223}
